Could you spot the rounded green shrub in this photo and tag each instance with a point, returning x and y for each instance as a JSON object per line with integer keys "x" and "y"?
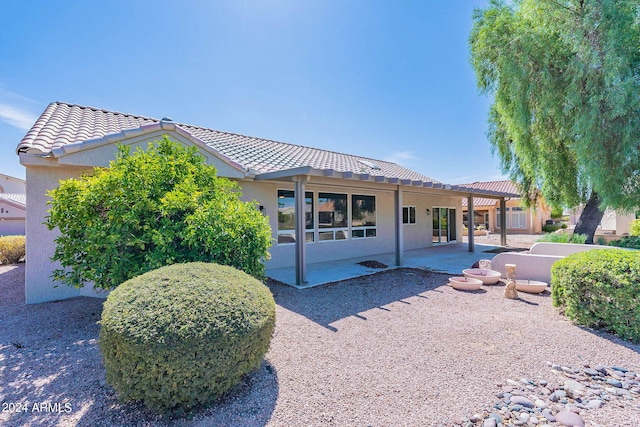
{"x": 634, "y": 227}
{"x": 600, "y": 289}
{"x": 184, "y": 334}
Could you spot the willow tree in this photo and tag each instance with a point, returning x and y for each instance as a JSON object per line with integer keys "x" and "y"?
{"x": 564, "y": 77}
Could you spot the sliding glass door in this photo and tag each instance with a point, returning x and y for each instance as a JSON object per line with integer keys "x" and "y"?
{"x": 444, "y": 225}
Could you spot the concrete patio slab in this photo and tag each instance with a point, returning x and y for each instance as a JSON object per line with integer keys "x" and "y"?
{"x": 452, "y": 259}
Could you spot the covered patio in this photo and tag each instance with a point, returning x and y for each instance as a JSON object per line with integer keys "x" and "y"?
{"x": 451, "y": 258}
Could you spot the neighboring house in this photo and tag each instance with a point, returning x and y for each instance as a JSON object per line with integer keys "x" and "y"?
{"x": 518, "y": 218}
{"x": 613, "y": 223}
{"x": 12, "y": 206}
{"x": 350, "y": 206}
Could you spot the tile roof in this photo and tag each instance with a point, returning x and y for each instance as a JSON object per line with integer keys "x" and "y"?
{"x": 18, "y": 199}
{"x": 62, "y": 125}
{"x": 504, "y": 186}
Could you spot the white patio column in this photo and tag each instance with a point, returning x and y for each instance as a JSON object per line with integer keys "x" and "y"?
{"x": 398, "y": 226}
{"x": 301, "y": 238}
{"x": 503, "y": 222}
{"x": 470, "y": 225}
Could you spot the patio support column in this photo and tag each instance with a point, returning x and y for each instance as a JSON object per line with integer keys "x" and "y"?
{"x": 503, "y": 222}
{"x": 471, "y": 226}
{"x": 398, "y": 226}
{"x": 301, "y": 238}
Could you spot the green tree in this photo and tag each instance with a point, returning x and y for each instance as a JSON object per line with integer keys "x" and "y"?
{"x": 564, "y": 76}
{"x": 149, "y": 209}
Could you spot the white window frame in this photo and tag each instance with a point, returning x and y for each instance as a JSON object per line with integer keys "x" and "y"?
{"x": 365, "y": 228}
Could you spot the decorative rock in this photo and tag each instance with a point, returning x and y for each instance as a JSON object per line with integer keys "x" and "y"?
{"x": 601, "y": 368}
{"x": 557, "y": 395}
{"x": 489, "y": 422}
{"x": 475, "y": 418}
{"x": 617, "y": 368}
{"x": 548, "y": 416}
{"x": 591, "y": 372}
{"x": 614, "y": 382}
{"x": 520, "y": 400}
{"x": 540, "y": 404}
{"x": 595, "y": 403}
{"x": 495, "y": 417}
{"x": 569, "y": 419}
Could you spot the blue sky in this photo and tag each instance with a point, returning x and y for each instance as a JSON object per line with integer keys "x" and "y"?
{"x": 385, "y": 79}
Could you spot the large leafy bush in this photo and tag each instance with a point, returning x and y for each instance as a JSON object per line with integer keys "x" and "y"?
{"x": 627, "y": 242}
{"x": 601, "y": 289}
{"x": 149, "y": 209}
{"x": 184, "y": 334}
{"x": 634, "y": 227}
{"x": 12, "y": 249}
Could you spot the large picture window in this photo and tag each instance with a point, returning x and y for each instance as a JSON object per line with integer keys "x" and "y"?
{"x": 287, "y": 216}
{"x": 337, "y": 215}
{"x": 363, "y": 216}
{"x": 332, "y": 216}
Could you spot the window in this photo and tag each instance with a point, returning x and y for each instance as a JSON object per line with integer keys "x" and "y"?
{"x": 363, "y": 216}
{"x": 516, "y": 217}
{"x": 332, "y": 216}
{"x": 287, "y": 216}
{"x": 408, "y": 214}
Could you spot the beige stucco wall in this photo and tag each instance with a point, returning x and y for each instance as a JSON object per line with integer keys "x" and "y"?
{"x": 9, "y": 184}
{"x": 44, "y": 174}
{"x": 39, "y": 286}
{"x": 12, "y": 219}
{"x": 415, "y": 236}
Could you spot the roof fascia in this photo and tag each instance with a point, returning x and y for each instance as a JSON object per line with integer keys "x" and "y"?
{"x": 12, "y": 203}
{"x": 453, "y": 190}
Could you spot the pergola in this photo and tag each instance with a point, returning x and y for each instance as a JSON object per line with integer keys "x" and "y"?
{"x": 301, "y": 176}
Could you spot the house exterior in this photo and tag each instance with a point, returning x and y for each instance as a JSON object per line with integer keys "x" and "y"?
{"x": 322, "y": 205}
{"x": 519, "y": 220}
{"x": 613, "y": 223}
{"x": 12, "y": 206}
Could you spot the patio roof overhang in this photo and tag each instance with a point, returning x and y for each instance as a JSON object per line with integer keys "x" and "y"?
{"x": 305, "y": 174}
{"x": 441, "y": 188}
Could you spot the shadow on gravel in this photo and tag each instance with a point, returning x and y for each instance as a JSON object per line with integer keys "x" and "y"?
{"x": 328, "y": 303}
{"x": 250, "y": 403}
{"x": 51, "y": 372}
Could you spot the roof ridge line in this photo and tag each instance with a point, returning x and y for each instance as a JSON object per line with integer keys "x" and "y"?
{"x": 138, "y": 116}
{"x": 103, "y": 110}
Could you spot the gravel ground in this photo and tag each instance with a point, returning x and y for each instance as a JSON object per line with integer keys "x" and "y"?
{"x": 513, "y": 240}
{"x": 397, "y": 348}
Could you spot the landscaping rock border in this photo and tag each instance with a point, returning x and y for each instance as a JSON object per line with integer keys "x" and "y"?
{"x": 564, "y": 398}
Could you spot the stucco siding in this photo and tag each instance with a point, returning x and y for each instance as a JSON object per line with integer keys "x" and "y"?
{"x": 12, "y": 227}
{"x": 101, "y": 154}
{"x": 9, "y": 184}
{"x": 39, "y": 286}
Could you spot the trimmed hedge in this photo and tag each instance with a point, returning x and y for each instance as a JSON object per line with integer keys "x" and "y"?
{"x": 600, "y": 289}
{"x": 12, "y": 248}
{"x": 184, "y": 334}
{"x": 627, "y": 242}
